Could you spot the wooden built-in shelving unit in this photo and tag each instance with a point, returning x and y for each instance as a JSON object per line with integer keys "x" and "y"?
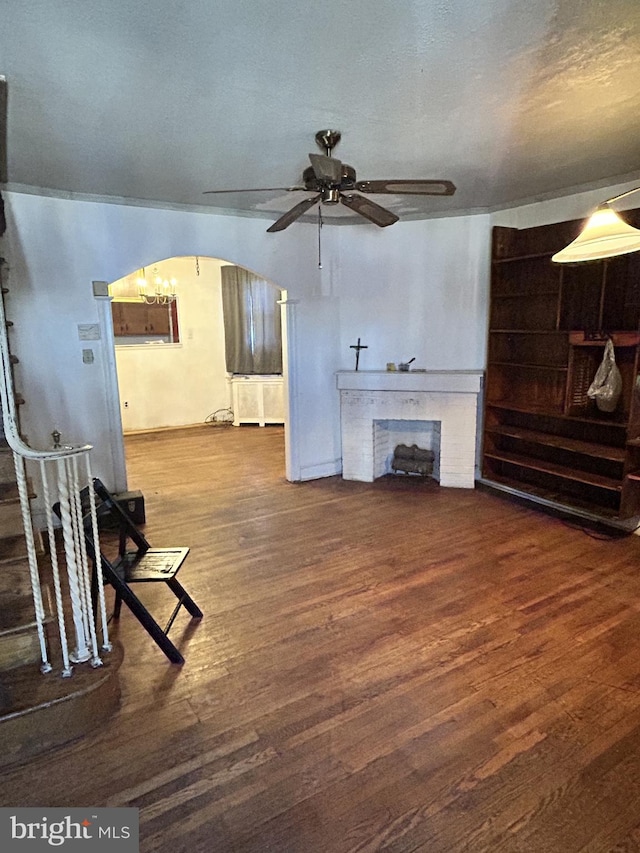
{"x": 543, "y": 437}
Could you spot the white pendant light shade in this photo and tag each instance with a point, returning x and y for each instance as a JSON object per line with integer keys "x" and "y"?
{"x": 604, "y": 236}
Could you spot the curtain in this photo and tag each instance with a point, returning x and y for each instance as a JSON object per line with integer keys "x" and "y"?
{"x": 252, "y": 334}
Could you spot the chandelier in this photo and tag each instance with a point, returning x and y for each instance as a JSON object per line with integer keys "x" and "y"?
{"x": 164, "y": 289}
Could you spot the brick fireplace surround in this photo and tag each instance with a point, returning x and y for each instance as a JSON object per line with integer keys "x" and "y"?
{"x": 444, "y": 398}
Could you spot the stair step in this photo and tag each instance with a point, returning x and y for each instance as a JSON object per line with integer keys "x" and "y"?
{"x": 16, "y": 612}
{"x": 11, "y": 524}
{"x": 7, "y": 467}
{"x": 12, "y": 548}
{"x": 40, "y": 712}
{"x": 15, "y": 579}
{"x": 10, "y": 519}
{"x": 19, "y": 642}
{"x": 9, "y": 491}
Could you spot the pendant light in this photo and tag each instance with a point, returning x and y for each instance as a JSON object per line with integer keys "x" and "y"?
{"x": 605, "y": 235}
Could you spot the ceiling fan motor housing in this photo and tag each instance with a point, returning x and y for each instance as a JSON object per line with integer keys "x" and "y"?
{"x": 330, "y": 195}
{"x": 313, "y": 184}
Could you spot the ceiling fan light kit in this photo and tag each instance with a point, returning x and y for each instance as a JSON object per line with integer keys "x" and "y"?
{"x": 334, "y": 182}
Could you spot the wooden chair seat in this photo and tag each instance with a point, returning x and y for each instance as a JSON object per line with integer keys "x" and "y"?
{"x": 156, "y": 564}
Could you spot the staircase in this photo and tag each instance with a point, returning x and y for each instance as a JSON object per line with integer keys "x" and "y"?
{"x": 49, "y": 695}
{"x": 19, "y": 643}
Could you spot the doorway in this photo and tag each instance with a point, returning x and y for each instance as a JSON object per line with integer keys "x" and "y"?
{"x": 179, "y": 380}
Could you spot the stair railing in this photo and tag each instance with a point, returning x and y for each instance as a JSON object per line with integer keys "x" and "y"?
{"x": 64, "y": 472}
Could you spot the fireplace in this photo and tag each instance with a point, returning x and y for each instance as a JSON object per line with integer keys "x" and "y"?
{"x": 388, "y": 434}
{"x": 436, "y": 410}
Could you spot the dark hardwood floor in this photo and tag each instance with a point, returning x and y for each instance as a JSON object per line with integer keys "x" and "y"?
{"x": 388, "y": 666}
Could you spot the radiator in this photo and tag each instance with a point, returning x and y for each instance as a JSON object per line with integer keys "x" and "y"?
{"x": 257, "y": 399}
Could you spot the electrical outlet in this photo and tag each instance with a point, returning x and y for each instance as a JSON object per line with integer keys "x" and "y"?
{"x": 87, "y": 356}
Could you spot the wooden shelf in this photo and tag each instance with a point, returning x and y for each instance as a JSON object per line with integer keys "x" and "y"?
{"x": 535, "y": 256}
{"x": 529, "y": 366}
{"x": 554, "y": 497}
{"x": 525, "y": 293}
{"x": 545, "y": 412}
{"x": 619, "y": 339}
{"x": 571, "y": 445}
{"x": 554, "y": 470}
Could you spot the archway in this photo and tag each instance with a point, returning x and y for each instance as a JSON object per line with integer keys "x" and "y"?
{"x": 180, "y": 379}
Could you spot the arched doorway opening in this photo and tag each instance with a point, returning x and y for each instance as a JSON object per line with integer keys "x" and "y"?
{"x": 173, "y": 372}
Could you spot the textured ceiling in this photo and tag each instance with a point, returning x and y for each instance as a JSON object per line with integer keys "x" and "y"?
{"x": 159, "y": 100}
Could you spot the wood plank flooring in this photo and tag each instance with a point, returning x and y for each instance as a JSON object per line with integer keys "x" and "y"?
{"x": 388, "y": 666}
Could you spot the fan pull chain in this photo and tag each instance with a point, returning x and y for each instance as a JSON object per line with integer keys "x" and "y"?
{"x": 197, "y": 265}
{"x": 319, "y": 238}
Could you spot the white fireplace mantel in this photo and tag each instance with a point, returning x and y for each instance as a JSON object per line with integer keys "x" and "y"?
{"x": 449, "y": 397}
{"x": 450, "y": 381}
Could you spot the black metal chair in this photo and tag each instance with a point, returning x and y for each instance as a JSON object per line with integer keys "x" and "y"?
{"x": 136, "y": 562}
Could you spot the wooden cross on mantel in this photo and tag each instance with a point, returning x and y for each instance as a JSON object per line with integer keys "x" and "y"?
{"x": 357, "y": 347}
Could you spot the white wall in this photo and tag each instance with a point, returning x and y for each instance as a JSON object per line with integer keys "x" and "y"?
{"x": 179, "y": 384}
{"x": 419, "y": 291}
{"x": 58, "y": 247}
{"x": 416, "y": 288}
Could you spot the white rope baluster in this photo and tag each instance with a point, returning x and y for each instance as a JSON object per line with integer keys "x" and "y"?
{"x": 55, "y": 567}
{"x": 81, "y": 652}
{"x": 106, "y": 644}
{"x": 84, "y": 573}
{"x": 34, "y": 574}
{"x": 78, "y": 537}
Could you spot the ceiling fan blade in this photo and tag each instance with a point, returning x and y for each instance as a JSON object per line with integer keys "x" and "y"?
{"x": 256, "y": 190}
{"x": 407, "y": 187}
{"x": 369, "y": 209}
{"x": 326, "y": 169}
{"x": 3, "y": 130}
{"x": 293, "y": 214}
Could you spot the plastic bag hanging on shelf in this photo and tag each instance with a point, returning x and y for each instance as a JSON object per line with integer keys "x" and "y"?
{"x": 606, "y": 387}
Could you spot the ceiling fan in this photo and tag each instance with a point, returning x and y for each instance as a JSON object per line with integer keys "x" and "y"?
{"x": 334, "y": 182}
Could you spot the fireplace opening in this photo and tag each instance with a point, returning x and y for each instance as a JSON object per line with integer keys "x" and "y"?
{"x": 388, "y": 434}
